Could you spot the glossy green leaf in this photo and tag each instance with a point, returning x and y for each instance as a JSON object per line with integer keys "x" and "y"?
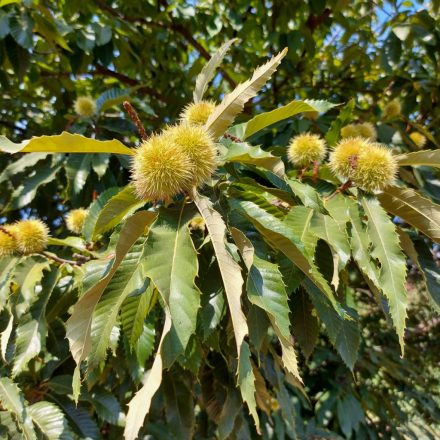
{"x": 121, "y": 205}
{"x": 414, "y": 209}
{"x": 94, "y": 212}
{"x": 11, "y": 399}
{"x": 429, "y": 158}
{"x": 305, "y": 324}
{"x": 128, "y": 279}
{"x": 79, "y": 324}
{"x": 32, "y": 328}
{"x": 386, "y": 249}
{"x": 287, "y": 111}
{"x": 168, "y": 245}
{"x": 50, "y": 420}
{"x": 342, "y": 328}
{"x": 139, "y": 405}
{"x": 265, "y": 289}
{"x": 248, "y": 154}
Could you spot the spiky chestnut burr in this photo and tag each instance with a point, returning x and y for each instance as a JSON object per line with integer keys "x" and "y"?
{"x": 31, "y": 235}
{"x": 75, "y": 220}
{"x": 392, "y": 109}
{"x": 197, "y": 113}
{"x": 365, "y": 130}
{"x": 375, "y": 169}
{"x": 8, "y": 241}
{"x": 306, "y": 149}
{"x": 160, "y": 169}
{"x": 344, "y": 157}
{"x": 198, "y": 145}
{"x": 418, "y": 138}
{"x": 85, "y": 106}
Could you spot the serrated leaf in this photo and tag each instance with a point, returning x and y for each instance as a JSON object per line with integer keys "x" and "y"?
{"x": 79, "y": 324}
{"x": 119, "y": 206}
{"x": 208, "y": 72}
{"x": 305, "y": 324}
{"x": 249, "y": 154}
{"x": 179, "y": 407}
{"x": 265, "y": 289}
{"x": 361, "y": 243}
{"x": 233, "y": 283}
{"x": 5, "y": 336}
{"x": 429, "y": 158}
{"x": 386, "y": 249}
{"x": 20, "y": 165}
{"x": 139, "y": 405}
{"x": 64, "y": 143}
{"x": 307, "y": 194}
{"x": 106, "y": 406}
{"x": 78, "y": 168}
{"x": 79, "y": 418}
{"x": 168, "y": 245}
{"x": 32, "y": 328}
{"x": 25, "y": 193}
{"x": 279, "y": 235}
{"x": 11, "y": 398}
{"x": 95, "y": 210}
{"x": 414, "y": 209}
{"x": 224, "y": 114}
{"x": 128, "y": 279}
{"x": 286, "y": 111}
{"x": 134, "y": 310}
{"x": 111, "y": 97}
{"x": 421, "y": 255}
{"x": 50, "y": 420}
{"x": 344, "y": 116}
{"x": 342, "y": 328}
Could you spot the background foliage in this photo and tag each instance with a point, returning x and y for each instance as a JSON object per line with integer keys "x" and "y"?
{"x": 359, "y": 54}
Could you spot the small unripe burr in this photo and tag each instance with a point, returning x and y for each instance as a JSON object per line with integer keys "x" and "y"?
{"x": 31, "y": 235}
{"x": 306, "y": 149}
{"x": 85, "y": 106}
{"x": 75, "y": 220}
{"x": 8, "y": 241}
{"x": 365, "y": 130}
{"x": 418, "y": 138}
{"x": 392, "y": 109}
{"x": 197, "y": 113}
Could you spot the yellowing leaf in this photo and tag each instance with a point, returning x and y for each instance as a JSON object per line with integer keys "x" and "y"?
{"x": 233, "y": 103}
{"x": 208, "y": 71}
{"x": 139, "y": 406}
{"x": 64, "y": 143}
{"x": 233, "y": 283}
{"x": 429, "y": 158}
{"x": 414, "y": 209}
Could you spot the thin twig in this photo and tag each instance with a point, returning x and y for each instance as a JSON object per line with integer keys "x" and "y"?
{"x": 315, "y": 172}
{"x": 60, "y": 260}
{"x": 135, "y": 118}
{"x": 342, "y": 188}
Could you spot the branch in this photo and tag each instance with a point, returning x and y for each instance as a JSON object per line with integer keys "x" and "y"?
{"x": 60, "y": 260}
{"x": 177, "y": 27}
